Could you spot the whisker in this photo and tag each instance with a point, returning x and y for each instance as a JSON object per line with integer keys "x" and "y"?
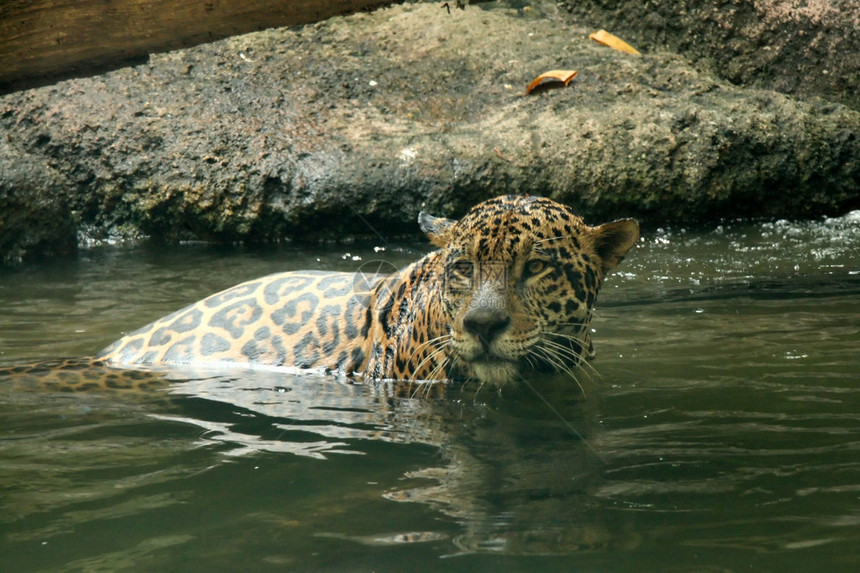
{"x": 566, "y": 351}
{"x": 432, "y": 341}
{"x": 548, "y": 356}
{"x": 580, "y": 362}
{"x": 422, "y": 387}
{"x": 432, "y": 356}
{"x": 440, "y": 343}
{"x": 440, "y": 368}
{"x": 478, "y": 391}
{"x": 582, "y": 359}
{"x": 577, "y": 325}
{"x": 556, "y": 358}
{"x": 415, "y": 388}
{"x": 439, "y": 350}
{"x": 557, "y": 362}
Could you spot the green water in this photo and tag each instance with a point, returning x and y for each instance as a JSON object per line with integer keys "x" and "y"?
{"x": 721, "y": 429}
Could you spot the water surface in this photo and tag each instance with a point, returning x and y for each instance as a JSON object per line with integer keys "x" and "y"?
{"x": 720, "y": 431}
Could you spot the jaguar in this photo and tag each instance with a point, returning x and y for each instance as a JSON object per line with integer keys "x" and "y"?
{"x": 510, "y": 288}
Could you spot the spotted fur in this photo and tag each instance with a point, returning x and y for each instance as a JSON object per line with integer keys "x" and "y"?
{"x": 511, "y": 287}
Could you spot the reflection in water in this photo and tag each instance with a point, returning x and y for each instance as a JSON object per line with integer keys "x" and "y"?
{"x": 720, "y": 433}
{"x": 502, "y": 458}
{"x": 490, "y": 448}
{"x": 306, "y": 407}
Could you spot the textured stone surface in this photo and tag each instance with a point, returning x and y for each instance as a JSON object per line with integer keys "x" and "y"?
{"x": 800, "y": 47}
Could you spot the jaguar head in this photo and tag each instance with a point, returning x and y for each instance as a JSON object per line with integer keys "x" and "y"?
{"x": 520, "y": 279}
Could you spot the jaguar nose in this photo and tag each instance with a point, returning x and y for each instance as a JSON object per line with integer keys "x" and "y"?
{"x": 486, "y": 323}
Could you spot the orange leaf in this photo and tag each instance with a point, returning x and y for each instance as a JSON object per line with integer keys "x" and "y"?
{"x": 561, "y": 75}
{"x": 607, "y": 39}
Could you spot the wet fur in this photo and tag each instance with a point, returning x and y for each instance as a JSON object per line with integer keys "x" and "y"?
{"x": 531, "y": 267}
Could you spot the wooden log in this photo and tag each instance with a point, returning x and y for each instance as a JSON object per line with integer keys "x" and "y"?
{"x": 43, "y": 41}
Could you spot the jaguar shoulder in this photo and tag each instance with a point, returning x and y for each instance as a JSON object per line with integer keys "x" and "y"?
{"x": 511, "y": 287}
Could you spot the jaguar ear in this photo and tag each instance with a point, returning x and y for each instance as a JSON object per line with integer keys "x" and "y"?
{"x": 437, "y": 229}
{"x": 613, "y": 240}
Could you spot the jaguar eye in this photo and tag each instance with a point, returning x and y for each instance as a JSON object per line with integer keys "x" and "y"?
{"x": 534, "y": 267}
{"x": 463, "y": 268}
{"x": 459, "y": 275}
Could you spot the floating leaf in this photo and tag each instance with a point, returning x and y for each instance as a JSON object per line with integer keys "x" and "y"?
{"x": 607, "y": 39}
{"x": 563, "y": 76}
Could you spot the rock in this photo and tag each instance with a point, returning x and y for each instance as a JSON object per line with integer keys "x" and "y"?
{"x": 35, "y": 219}
{"x": 348, "y": 126}
{"x": 800, "y": 47}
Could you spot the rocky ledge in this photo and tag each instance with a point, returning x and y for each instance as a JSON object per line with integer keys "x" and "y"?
{"x": 348, "y": 126}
